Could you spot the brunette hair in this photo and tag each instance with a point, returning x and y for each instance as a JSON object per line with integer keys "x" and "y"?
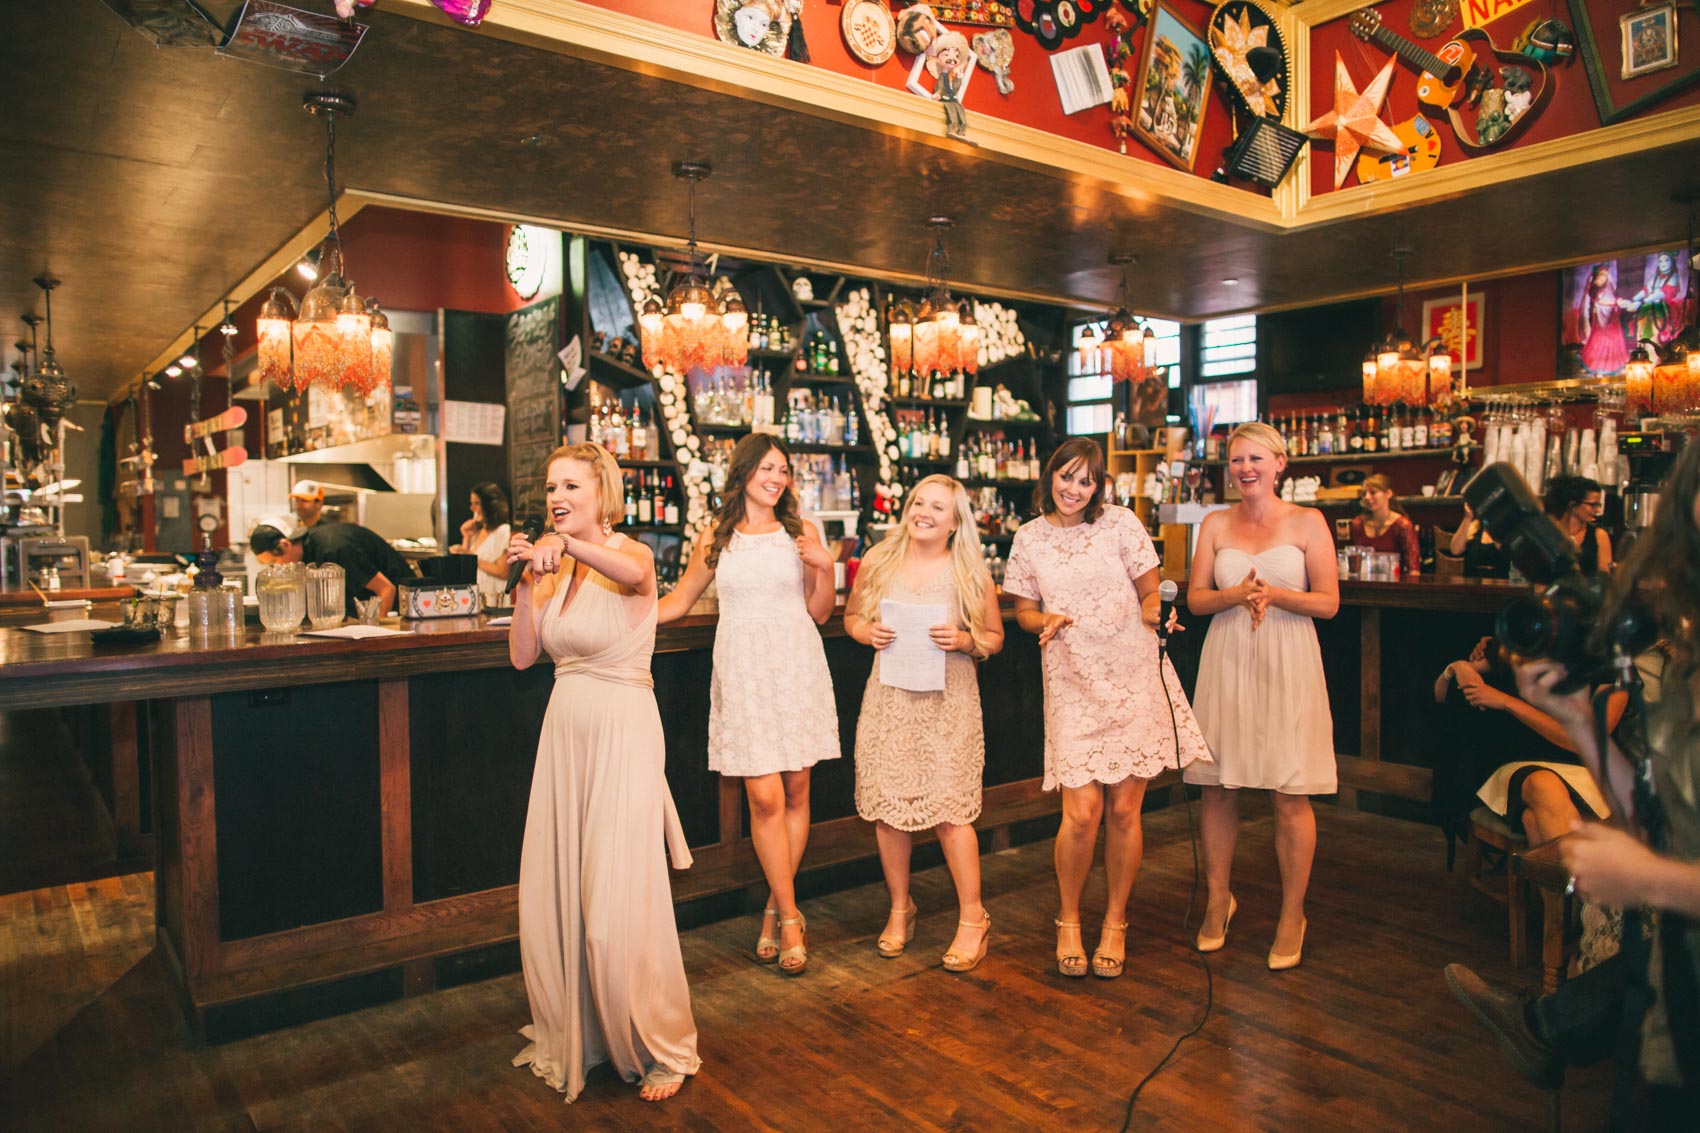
{"x": 746, "y": 458}
{"x": 1565, "y": 492}
{"x": 1380, "y": 483}
{"x": 610, "y": 485}
{"x": 494, "y": 502}
{"x": 1663, "y": 568}
{"x": 1071, "y": 450}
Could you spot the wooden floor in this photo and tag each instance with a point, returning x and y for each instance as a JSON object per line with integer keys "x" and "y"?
{"x": 1362, "y": 1037}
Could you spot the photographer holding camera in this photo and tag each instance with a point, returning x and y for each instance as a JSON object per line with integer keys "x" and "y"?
{"x": 1644, "y": 1005}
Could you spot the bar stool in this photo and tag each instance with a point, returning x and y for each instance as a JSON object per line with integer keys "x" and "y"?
{"x": 1543, "y": 868}
{"x": 1493, "y": 844}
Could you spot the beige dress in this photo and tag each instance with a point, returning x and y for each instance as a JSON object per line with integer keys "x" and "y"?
{"x": 597, "y": 939}
{"x": 920, "y": 756}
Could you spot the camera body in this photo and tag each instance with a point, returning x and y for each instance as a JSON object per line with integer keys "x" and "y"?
{"x": 1559, "y": 622}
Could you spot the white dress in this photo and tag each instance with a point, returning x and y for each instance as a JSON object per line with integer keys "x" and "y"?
{"x": 771, "y": 706}
{"x": 1262, "y": 701}
{"x": 597, "y": 939}
{"x": 492, "y": 550}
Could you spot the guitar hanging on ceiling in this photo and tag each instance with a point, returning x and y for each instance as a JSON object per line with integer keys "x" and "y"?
{"x": 1422, "y": 153}
{"x": 1457, "y": 80}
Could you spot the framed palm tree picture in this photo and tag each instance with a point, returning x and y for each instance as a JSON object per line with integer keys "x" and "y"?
{"x": 1174, "y": 87}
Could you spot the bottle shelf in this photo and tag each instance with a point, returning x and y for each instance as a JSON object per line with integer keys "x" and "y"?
{"x": 927, "y": 461}
{"x": 644, "y": 465}
{"x": 992, "y": 423}
{"x": 655, "y": 528}
{"x": 773, "y": 355}
{"x": 610, "y": 371}
{"x": 977, "y": 482}
{"x": 813, "y": 448}
{"x": 809, "y": 378}
{"x": 720, "y": 430}
{"x": 927, "y": 402}
{"x": 1353, "y": 457}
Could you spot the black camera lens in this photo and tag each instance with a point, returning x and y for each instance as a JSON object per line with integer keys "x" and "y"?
{"x": 1528, "y": 627}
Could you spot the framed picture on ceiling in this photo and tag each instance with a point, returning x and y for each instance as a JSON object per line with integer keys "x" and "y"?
{"x": 1463, "y": 337}
{"x": 1649, "y": 40}
{"x": 1173, "y": 87}
{"x": 1634, "y": 66}
{"x": 1611, "y": 305}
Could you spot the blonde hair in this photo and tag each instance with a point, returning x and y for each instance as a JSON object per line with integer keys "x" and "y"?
{"x": 1266, "y": 436}
{"x": 880, "y": 566}
{"x": 610, "y": 484}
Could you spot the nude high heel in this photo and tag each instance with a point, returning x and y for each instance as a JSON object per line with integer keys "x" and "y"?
{"x": 1283, "y": 963}
{"x": 892, "y": 947}
{"x": 1070, "y": 964}
{"x": 792, "y": 961}
{"x": 1214, "y": 943}
{"x": 767, "y": 947}
{"x": 957, "y": 962}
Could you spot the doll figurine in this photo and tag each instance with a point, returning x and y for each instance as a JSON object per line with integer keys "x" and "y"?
{"x": 951, "y": 63}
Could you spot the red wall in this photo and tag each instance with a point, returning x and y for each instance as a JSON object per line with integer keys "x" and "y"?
{"x": 1571, "y": 111}
{"x": 1034, "y": 101}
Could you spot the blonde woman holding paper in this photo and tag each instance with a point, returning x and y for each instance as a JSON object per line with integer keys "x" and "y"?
{"x": 920, "y": 754}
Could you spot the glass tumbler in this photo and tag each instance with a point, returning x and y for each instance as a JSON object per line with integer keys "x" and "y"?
{"x": 325, "y": 582}
{"x": 282, "y": 591}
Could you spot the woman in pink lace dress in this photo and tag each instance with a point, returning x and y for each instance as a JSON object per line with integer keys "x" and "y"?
{"x": 1084, "y": 577}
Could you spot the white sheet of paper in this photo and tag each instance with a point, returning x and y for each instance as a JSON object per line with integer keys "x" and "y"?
{"x": 912, "y": 661}
{"x": 504, "y": 620}
{"x": 70, "y": 627}
{"x": 354, "y": 631}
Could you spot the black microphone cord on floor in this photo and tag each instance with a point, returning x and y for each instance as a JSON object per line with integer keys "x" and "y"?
{"x": 1191, "y": 901}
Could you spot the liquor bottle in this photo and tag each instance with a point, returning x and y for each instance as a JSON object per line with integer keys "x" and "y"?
{"x": 1342, "y": 431}
{"x": 852, "y": 427}
{"x": 1395, "y": 433}
{"x": 631, "y": 505}
{"x": 1325, "y": 438}
{"x": 1386, "y": 428}
{"x": 672, "y": 511}
{"x": 1408, "y": 431}
{"x": 1419, "y": 433}
{"x": 645, "y": 503}
{"x": 640, "y": 436}
{"x": 1372, "y": 436}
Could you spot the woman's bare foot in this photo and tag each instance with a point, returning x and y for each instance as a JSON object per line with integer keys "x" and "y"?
{"x": 767, "y": 944}
{"x": 660, "y": 1084}
{"x": 1071, "y": 953}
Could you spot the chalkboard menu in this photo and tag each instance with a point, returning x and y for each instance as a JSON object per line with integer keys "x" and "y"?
{"x": 533, "y": 400}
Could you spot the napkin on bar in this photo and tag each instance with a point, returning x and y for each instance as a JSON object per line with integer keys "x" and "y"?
{"x": 354, "y": 631}
{"x": 80, "y": 624}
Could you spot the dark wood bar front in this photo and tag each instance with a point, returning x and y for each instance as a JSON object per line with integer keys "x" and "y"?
{"x": 339, "y": 822}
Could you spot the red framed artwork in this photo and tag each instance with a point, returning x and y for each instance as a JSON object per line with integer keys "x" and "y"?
{"x": 1443, "y": 319}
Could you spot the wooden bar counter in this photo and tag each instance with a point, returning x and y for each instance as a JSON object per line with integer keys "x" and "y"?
{"x": 337, "y": 823}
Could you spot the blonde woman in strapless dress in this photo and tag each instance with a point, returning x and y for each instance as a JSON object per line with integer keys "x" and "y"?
{"x": 603, "y": 971}
{"x": 1264, "y": 569}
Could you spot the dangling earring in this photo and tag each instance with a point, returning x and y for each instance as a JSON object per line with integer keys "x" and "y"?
{"x": 606, "y": 525}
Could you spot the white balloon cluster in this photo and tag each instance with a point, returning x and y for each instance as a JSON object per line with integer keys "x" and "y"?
{"x": 671, "y": 394}
{"x": 1000, "y": 333}
{"x": 864, "y": 347}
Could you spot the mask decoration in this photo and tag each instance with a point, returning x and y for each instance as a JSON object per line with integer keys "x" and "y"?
{"x": 1547, "y": 40}
{"x": 996, "y": 51}
{"x": 760, "y": 25}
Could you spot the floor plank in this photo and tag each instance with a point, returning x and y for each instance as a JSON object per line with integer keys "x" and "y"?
{"x": 1362, "y": 1036}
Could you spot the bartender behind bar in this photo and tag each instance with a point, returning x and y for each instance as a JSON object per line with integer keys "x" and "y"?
{"x": 371, "y": 567}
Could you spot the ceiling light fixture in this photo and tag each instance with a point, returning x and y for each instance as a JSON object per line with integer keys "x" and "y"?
{"x": 191, "y": 357}
{"x": 941, "y": 337}
{"x": 1131, "y": 345}
{"x": 329, "y": 341}
{"x": 1397, "y": 369}
{"x": 698, "y": 328}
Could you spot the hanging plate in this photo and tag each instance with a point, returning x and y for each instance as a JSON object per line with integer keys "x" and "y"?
{"x": 1247, "y": 50}
{"x": 869, "y": 30}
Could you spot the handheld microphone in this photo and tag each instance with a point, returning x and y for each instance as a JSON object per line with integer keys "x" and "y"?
{"x": 532, "y": 530}
{"x": 1166, "y": 594}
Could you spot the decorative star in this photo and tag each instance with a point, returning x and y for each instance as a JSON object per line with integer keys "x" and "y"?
{"x": 1355, "y": 123}
{"x": 1238, "y": 38}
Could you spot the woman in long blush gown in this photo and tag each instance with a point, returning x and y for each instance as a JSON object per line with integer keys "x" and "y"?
{"x": 598, "y": 942}
{"x": 1264, "y": 568}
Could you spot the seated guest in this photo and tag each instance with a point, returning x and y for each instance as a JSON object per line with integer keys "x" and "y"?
{"x": 1575, "y": 501}
{"x": 371, "y": 567}
{"x": 1384, "y": 526}
{"x": 1483, "y": 558}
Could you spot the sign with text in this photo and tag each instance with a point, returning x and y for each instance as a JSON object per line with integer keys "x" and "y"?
{"x": 1479, "y": 12}
{"x": 277, "y": 35}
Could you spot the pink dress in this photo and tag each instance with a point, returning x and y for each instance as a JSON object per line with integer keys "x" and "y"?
{"x": 597, "y": 939}
{"x": 1105, "y": 714}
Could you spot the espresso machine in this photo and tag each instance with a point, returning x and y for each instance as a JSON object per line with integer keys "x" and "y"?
{"x": 1649, "y": 464}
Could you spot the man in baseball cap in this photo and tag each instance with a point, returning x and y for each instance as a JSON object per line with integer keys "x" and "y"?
{"x": 308, "y": 499}
{"x": 371, "y": 567}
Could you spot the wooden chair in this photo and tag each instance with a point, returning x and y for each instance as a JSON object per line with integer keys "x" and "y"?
{"x": 1543, "y": 868}
{"x": 1491, "y": 845}
{"x": 1446, "y": 564}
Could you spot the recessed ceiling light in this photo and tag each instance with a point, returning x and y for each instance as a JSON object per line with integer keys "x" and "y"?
{"x": 537, "y": 140}
{"x": 1230, "y": 281}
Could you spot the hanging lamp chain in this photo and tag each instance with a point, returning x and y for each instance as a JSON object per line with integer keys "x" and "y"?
{"x": 330, "y": 178}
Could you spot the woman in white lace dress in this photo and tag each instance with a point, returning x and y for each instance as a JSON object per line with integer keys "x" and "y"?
{"x": 920, "y": 756}
{"x": 1084, "y": 578}
{"x": 771, "y": 711}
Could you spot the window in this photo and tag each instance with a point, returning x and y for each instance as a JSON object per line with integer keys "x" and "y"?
{"x": 1228, "y": 346}
{"x": 1091, "y": 408}
{"x": 1224, "y": 403}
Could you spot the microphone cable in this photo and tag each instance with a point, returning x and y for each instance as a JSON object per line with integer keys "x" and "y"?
{"x": 1191, "y": 901}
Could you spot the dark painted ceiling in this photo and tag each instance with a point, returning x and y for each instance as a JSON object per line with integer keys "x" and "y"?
{"x": 152, "y": 180}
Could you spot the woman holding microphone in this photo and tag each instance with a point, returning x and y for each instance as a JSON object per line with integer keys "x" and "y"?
{"x": 1084, "y": 577}
{"x": 598, "y": 941}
